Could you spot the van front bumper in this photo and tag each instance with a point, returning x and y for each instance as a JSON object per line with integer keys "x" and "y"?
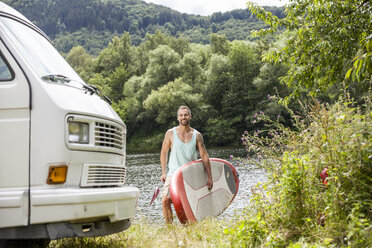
{"x": 63, "y": 230}
{"x": 63, "y": 213}
{"x": 74, "y": 205}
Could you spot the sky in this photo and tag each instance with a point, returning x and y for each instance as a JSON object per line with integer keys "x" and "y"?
{"x": 208, "y": 7}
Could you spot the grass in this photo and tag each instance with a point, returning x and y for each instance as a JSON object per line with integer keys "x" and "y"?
{"x": 207, "y": 233}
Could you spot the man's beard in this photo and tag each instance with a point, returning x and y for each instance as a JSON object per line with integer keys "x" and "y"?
{"x": 185, "y": 122}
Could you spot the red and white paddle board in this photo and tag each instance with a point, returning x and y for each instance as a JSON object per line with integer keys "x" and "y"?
{"x": 189, "y": 191}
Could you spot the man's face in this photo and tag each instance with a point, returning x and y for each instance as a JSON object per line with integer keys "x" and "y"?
{"x": 184, "y": 117}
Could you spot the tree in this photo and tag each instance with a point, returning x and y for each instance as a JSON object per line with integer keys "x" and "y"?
{"x": 241, "y": 96}
{"x": 180, "y": 45}
{"x": 154, "y": 40}
{"x": 191, "y": 71}
{"x": 330, "y": 40}
{"x": 163, "y": 103}
{"x": 268, "y": 83}
{"x": 204, "y": 52}
{"x": 134, "y": 93}
{"x": 219, "y": 44}
{"x": 119, "y": 52}
{"x": 101, "y": 82}
{"x": 163, "y": 66}
{"x": 82, "y": 62}
{"x": 117, "y": 80}
{"x": 215, "y": 125}
{"x": 218, "y": 80}
{"x": 268, "y": 88}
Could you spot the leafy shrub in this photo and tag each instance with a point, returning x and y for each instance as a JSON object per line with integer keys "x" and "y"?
{"x": 150, "y": 143}
{"x": 294, "y": 208}
{"x": 221, "y": 131}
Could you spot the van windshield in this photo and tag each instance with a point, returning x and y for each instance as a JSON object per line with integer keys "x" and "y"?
{"x": 40, "y": 55}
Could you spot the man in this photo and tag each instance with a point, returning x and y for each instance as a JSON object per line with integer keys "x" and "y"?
{"x": 183, "y": 142}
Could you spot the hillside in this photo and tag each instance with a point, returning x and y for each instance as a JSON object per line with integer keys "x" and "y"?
{"x": 93, "y": 23}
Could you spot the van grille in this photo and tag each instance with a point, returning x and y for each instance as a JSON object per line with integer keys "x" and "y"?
{"x": 103, "y": 176}
{"x": 104, "y": 135}
{"x": 109, "y": 136}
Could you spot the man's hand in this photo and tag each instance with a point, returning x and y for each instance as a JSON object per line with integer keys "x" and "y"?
{"x": 210, "y": 183}
{"x": 163, "y": 178}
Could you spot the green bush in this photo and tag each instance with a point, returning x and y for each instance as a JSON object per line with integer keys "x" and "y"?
{"x": 145, "y": 144}
{"x": 221, "y": 131}
{"x": 294, "y": 208}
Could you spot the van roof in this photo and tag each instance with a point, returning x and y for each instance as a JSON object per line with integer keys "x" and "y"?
{"x": 5, "y": 9}
{"x": 9, "y": 12}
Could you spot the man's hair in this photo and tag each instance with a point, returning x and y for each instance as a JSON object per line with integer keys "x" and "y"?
{"x": 184, "y": 107}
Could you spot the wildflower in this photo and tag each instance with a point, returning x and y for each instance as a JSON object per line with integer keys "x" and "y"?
{"x": 261, "y": 113}
{"x": 255, "y": 116}
{"x": 324, "y": 175}
{"x": 268, "y": 96}
{"x": 231, "y": 156}
{"x": 278, "y": 116}
{"x": 258, "y": 131}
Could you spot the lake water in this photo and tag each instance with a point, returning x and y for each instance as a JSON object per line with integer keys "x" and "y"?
{"x": 144, "y": 171}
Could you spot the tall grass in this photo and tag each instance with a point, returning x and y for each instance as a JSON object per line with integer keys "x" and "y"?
{"x": 208, "y": 233}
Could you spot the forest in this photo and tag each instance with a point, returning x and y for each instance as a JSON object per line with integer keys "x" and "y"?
{"x": 93, "y": 24}
{"x": 225, "y": 83}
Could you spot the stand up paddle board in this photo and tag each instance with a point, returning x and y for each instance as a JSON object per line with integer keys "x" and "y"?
{"x": 189, "y": 191}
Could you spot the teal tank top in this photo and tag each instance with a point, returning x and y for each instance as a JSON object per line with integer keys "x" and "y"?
{"x": 181, "y": 152}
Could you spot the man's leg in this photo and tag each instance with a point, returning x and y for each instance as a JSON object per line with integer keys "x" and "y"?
{"x": 167, "y": 209}
{"x": 166, "y": 202}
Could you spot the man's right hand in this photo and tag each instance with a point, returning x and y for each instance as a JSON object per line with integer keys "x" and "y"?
{"x": 163, "y": 178}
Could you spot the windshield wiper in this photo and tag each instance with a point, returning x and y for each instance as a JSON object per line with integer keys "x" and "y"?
{"x": 89, "y": 88}
{"x": 93, "y": 89}
{"x": 56, "y": 78}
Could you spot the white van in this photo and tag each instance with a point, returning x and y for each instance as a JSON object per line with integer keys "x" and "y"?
{"x": 62, "y": 146}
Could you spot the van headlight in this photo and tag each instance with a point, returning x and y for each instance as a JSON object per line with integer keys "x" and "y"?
{"x": 78, "y": 132}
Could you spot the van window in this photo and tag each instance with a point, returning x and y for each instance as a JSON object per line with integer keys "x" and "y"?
{"x": 5, "y": 72}
{"x": 39, "y": 53}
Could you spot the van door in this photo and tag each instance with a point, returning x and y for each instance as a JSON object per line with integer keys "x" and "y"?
{"x": 14, "y": 141}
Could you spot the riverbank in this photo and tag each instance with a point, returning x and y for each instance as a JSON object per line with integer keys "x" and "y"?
{"x": 153, "y": 144}
{"x": 144, "y": 171}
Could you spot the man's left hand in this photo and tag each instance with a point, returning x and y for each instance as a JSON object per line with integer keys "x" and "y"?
{"x": 210, "y": 183}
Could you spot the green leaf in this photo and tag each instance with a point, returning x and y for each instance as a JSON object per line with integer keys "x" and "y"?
{"x": 347, "y": 76}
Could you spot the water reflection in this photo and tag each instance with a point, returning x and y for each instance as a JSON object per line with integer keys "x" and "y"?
{"x": 144, "y": 172}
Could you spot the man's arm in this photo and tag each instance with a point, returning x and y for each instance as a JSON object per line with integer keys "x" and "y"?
{"x": 164, "y": 154}
{"x": 205, "y": 158}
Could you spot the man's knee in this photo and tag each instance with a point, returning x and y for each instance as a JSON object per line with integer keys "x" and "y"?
{"x": 166, "y": 201}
